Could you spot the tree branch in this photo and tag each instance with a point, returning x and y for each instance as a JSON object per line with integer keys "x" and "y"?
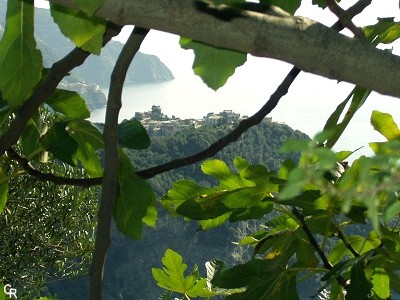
{"x": 110, "y": 178}
{"x": 26, "y": 165}
{"x": 230, "y": 137}
{"x": 357, "y": 8}
{"x": 314, "y": 244}
{"x": 45, "y": 89}
{"x": 344, "y": 19}
{"x": 322, "y": 50}
{"x": 252, "y": 121}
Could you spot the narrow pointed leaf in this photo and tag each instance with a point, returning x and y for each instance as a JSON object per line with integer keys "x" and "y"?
{"x": 20, "y": 61}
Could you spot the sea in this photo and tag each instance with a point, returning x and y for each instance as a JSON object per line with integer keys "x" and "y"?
{"x": 306, "y": 107}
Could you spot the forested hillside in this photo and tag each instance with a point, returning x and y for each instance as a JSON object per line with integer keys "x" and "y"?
{"x": 129, "y": 262}
{"x": 260, "y": 145}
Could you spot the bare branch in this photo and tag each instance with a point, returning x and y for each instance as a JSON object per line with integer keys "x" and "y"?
{"x": 344, "y": 19}
{"x": 315, "y": 245}
{"x": 110, "y": 178}
{"x": 302, "y": 42}
{"x": 248, "y": 123}
{"x": 230, "y": 137}
{"x": 26, "y": 165}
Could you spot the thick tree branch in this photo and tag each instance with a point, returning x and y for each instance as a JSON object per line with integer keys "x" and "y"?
{"x": 214, "y": 148}
{"x": 252, "y": 121}
{"x": 307, "y": 44}
{"x": 110, "y": 178}
{"x": 45, "y": 89}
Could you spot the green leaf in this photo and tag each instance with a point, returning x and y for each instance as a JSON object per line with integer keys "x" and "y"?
{"x": 20, "y": 61}
{"x": 84, "y": 31}
{"x": 89, "y": 7}
{"x": 385, "y": 125}
{"x": 381, "y": 283}
{"x": 2, "y": 293}
{"x": 5, "y": 111}
{"x": 358, "y": 97}
{"x": 290, "y": 6}
{"x": 58, "y": 141}
{"x": 29, "y": 139}
{"x": 172, "y": 277}
{"x": 297, "y": 179}
{"x": 228, "y": 179}
{"x": 306, "y": 200}
{"x": 68, "y": 103}
{"x": 213, "y": 65}
{"x": 3, "y": 190}
{"x": 132, "y": 135}
{"x": 386, "y": 31}
{"x": 239, "y": 196}
{"x": 89, "y": 140}
{"x": 263, "y": 280}
{"x": 359, "y": 287}
{"x": 321, "y": 3}
{"x": 135, "y": 203}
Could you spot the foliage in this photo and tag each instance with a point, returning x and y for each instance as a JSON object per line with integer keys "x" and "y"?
{"x": 324, "y": 220}
{"x": 46, "y": 231}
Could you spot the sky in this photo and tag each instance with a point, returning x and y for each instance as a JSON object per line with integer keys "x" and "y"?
{"x": 311, "y": 99}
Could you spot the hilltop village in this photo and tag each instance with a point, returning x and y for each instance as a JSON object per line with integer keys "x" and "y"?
{"x": 158, "y": 124}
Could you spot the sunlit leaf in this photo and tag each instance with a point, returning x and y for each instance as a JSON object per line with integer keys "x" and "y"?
{"x": 239, "y": 196}
{"x": 69, "y": 104}
{"x": 385, "y": 125}
{"x": 213, "y": 65}
{"x": 386, "y": 31}
{"x": 381, "y": 283}
{"x": 84, "y": 31}
{"x": 135, "y": 203}
{"x": 172, "y": 277}
{"x": 132, "y": 135}
{"x": 20, "y": 61}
